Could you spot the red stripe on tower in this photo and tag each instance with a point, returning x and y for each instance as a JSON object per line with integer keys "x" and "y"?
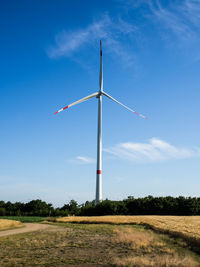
{"x": 65, "y": 107}
{"x": 98, "y": 171}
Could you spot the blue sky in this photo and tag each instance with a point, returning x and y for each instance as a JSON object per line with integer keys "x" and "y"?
{"x": 50, "y": 58}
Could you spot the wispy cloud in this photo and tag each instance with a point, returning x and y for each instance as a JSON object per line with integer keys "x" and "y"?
{"x": 174, "y": 20}
{"x": 82, "y": 160}
{"x": 69, "y": 42}
{"x": 181, "y": 17}
{"x": 191, "y": 9}
{"x": 155, "y": 150}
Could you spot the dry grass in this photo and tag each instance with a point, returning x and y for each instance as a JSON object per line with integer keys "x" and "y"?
{"x": 135, "y": 238}
{"x": 7, "y": 224}
{"x": 93, "y": 245}
{"x": 149, "y": 250}
{"x": 187, "y": 227}
{"x": 157, "y": 261}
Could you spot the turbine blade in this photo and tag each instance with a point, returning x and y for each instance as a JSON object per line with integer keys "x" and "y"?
{"x": 101, "y": 69}
{"x": 77, "y": 102}
{"x": 125, "y": 106}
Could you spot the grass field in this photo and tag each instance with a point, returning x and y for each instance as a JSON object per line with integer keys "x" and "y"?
{"x": 186, "y": 227}
{"x": 95, "y": 245}
{"x": 24, "y": 218}
{"x": 105, "y": 241}
{"x": 7, "y": 224}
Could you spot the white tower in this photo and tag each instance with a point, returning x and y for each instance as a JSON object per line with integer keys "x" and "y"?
{"x": 99, "y": 95}
{"x": 99, "y": 134}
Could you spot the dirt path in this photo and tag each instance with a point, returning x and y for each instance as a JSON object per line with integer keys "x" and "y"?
{"x": 28, "y": 227}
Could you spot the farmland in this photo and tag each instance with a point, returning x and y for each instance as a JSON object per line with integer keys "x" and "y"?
{"x": 103, "y": 241}
{"x": 7, "y": 224}
{"x": 186, "y": 227}
{"x": 24, "y": 219}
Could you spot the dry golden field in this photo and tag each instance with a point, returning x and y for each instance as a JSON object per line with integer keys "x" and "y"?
{"x": 150, "y": 249}
{"x": 85, "y": 245}
{"x": 6, "y": 224}
{"x": 187, "y": 227}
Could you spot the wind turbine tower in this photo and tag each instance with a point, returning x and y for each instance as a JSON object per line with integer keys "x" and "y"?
{"x": 99, "y": 95}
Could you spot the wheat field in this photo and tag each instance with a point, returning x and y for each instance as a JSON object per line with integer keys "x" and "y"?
{"x": 187, "y": 227}
{"x": 6, "y": 224}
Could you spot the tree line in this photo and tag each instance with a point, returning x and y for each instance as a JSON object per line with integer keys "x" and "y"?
{"x": 131, "y": 206}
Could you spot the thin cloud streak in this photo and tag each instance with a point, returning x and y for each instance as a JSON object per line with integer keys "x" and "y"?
{"x": 176, "y": 21}
{"x": 191, "y": 9}
{"x": 172, "y": 21}
{"x": 156, "y": 150}
{"x": 82, "y": 160}
{"x": 69, "y": 42}
{"x": 179, "y": 17}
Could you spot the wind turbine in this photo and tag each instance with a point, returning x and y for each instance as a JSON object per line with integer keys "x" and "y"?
{"x": 99, "y": 95}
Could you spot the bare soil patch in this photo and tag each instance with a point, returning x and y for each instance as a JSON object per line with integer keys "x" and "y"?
{"x": 28, "y": 227}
